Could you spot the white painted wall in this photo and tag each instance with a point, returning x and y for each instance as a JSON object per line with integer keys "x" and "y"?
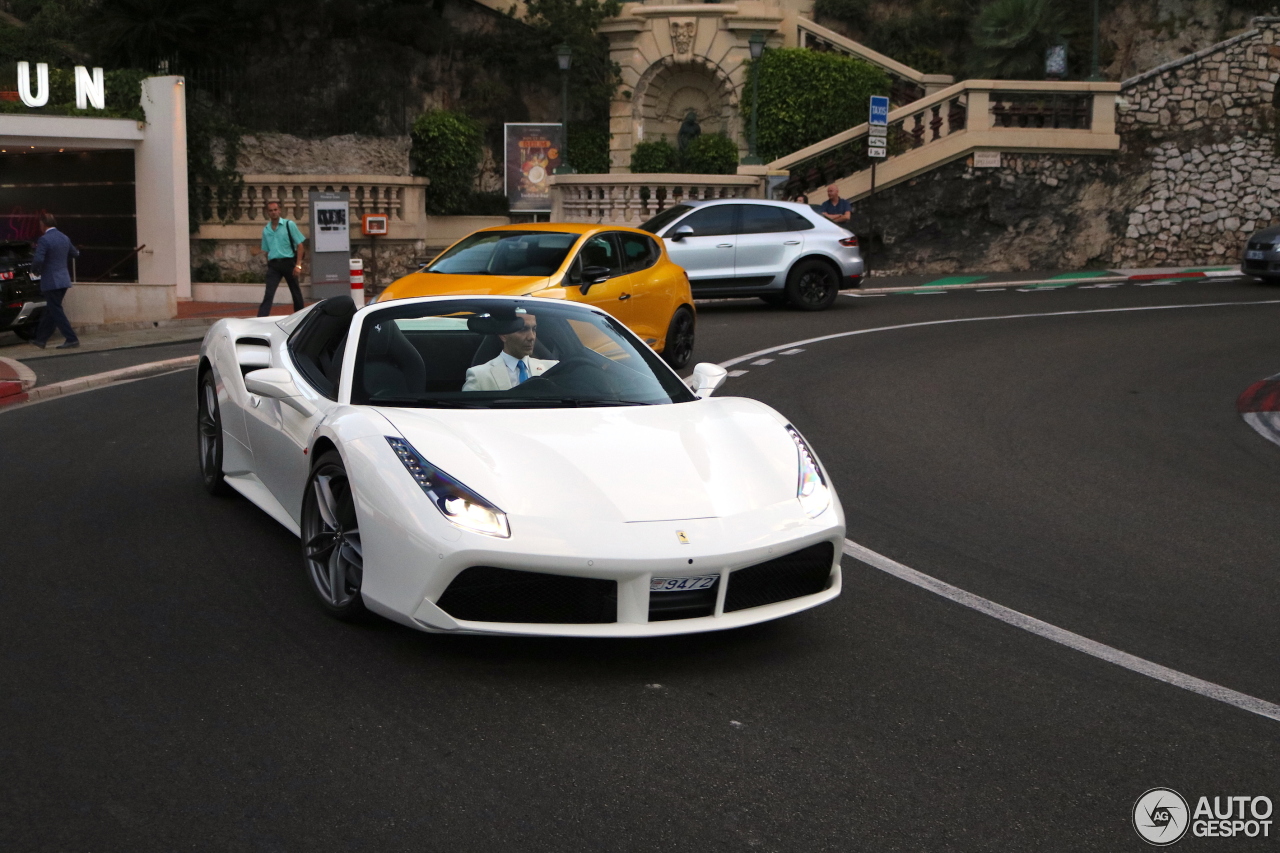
{"x": 160, "y": 167}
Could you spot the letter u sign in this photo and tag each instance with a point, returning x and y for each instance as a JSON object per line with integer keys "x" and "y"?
{"x": 91, "y": 87}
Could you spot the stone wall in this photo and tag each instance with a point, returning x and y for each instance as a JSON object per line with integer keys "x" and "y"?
{"x": 1205, "y": 129}
{"x": 351, "y": 154}
{"x": 1034, "y": 212}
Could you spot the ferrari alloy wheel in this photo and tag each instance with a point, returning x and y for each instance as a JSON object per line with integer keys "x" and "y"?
{"x": 209, "y": 436}
{"x": 813, "y": 286}
{"x": 331, "y": 538}
{"x": 678, "y": 348}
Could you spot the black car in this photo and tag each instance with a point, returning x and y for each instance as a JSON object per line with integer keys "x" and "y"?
{"x": 1262, "y": 255}
{"x": 20, "y": 301}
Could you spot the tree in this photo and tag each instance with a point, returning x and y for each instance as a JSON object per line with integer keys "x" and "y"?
{"x": 1010, "y": 37}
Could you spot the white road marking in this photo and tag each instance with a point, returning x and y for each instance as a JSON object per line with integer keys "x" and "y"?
{"x": 1097, "y": 286}
{"x": 1035, "y": 626}
{"x": 807, "y": 341}
{"x": 761, "y": 362}
{"x": 864, "y": 295}
{"x": 735, "y": 373}
{"x": 1155, "y": 283}
{"x": 792, "y": 351}
{"x": 989, "y": 290}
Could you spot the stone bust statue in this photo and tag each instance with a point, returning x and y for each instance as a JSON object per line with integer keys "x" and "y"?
{"x": 689, "y": 130}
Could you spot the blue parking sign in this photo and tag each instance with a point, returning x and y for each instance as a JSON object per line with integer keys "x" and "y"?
{"x": 879, "y": 110}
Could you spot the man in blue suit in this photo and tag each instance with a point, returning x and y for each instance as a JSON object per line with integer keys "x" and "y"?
{"x": 53, "y": 250}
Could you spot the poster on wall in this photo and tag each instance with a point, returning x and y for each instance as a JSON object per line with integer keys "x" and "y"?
{"x": 532, "y": 155}
{"x": 332, "y": 233}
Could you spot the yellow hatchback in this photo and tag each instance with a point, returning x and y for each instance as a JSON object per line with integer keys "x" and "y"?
{"x": 623, "y": 271}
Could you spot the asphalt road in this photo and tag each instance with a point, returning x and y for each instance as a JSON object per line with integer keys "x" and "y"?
{"x": 167, "y": 683}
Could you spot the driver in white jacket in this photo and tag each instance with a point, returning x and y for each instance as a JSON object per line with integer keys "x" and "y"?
{"x": 513, "y": 365}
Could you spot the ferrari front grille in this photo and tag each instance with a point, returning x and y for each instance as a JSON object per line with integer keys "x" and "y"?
{"x": 489, "y": 594}
{"x": 800, "y": 573}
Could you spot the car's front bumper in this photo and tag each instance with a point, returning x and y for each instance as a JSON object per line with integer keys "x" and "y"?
{"x": 412, "y": 555}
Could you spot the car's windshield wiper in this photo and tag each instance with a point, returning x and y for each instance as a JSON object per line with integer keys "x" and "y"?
{"x": 422, "y": 401}
{"x": 563, "y": 402}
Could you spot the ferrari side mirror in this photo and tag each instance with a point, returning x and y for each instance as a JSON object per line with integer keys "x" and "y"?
{"x": 706, "y": 378}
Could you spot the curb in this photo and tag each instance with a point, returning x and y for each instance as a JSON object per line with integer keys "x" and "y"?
{"x": 12, "y": 371}
{"x": 97, "y": 380}
{"x": 1119, "y": 278}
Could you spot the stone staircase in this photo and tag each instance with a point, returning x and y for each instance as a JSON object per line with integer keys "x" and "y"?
{"x": 955, "y": 121}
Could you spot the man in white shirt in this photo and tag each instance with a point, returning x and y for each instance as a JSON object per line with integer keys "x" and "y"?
{"x": 514, "y": 364}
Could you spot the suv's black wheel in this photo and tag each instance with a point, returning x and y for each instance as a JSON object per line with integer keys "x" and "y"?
{"x": 209, "y": 436}
{"x": 26, "y": 332}
{"x": 678, "y": 348}
{"x": 813, "y": 285}
{"x": 331, "y": 546}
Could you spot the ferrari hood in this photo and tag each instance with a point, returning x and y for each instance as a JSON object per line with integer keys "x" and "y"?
{"x": 442, "y": 284}
{"x": 707, "y": 459}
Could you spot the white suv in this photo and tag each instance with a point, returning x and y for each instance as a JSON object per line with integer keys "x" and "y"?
{"x": 783, "y": 253}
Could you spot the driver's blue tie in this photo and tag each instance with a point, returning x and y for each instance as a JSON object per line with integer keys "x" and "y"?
{"x": 522, "y": 371}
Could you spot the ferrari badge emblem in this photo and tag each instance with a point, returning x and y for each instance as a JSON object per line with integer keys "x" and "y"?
{"x": 684, "y": 540}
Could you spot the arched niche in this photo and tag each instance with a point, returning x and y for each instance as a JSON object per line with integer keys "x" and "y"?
{"x": 669, "y": 89}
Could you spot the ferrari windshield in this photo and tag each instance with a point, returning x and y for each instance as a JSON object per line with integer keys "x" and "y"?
{"x": 506, "y": 253}
{"x": 505, "y": 353}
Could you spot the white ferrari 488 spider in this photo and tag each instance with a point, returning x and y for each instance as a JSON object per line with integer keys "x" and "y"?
{"x": 514, "y": 466}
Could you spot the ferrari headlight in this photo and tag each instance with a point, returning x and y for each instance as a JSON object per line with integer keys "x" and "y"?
{"x": 811, "y": 490}
{"x": 455, "y": 501}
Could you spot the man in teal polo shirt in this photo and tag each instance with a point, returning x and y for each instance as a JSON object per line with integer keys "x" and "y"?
{"x": 285, "y": 247}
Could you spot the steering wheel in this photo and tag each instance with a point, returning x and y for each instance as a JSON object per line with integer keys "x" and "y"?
{"x": 580, "y": 375}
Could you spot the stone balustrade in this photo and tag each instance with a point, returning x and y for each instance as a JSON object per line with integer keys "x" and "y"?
{"x": 401, "y": 198}
{"x": 1076, "y": 117}
{"x": 632, "y": 199}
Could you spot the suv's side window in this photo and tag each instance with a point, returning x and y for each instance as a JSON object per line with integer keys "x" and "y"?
{"x": 712, "y": 221}
{"x": 795, "y": 220}
{"x": 762, "y": 219}
{"x": 638, "y": 251}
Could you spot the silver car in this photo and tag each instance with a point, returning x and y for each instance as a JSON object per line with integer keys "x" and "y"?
{"x": 783, "y": 253}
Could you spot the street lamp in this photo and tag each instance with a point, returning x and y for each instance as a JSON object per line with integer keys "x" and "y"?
{"x": 1095, "y": 73}
{"x": 564, "y": 57}
{"x": 756, "y": 44}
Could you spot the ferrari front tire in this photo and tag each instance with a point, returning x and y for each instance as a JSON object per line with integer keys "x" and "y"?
{"x": 209, "y": 436}
{"x": 678, "y": 348}
{"x": 331, "y": 548}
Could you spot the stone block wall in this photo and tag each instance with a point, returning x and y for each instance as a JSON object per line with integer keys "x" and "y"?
{"x": 1202, "y": 131}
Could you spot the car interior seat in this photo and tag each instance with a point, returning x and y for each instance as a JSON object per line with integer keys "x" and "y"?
{"x": 392, "y": 365}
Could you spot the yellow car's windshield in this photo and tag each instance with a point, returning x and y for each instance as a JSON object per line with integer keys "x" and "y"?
{"x": 519, "y": 253}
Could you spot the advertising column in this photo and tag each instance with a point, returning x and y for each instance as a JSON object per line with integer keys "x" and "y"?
{"x": 330, "y": 244}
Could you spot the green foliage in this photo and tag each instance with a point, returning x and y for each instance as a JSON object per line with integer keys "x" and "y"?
{"x": 852, "y": 13}
{"x": 711, "y": 154}
{"x": 593, "y": 77}
{"x": 806, "y": 96}
{"x": 205, "y": 271}
{"x": 1010, "y": 37}
{"x": 214, "y": 182}
{"x": 588, "y": 147}
{"x": 446, "y": 147}
{"x": 656, "y": 156}
{"x": 487, "y": 204}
